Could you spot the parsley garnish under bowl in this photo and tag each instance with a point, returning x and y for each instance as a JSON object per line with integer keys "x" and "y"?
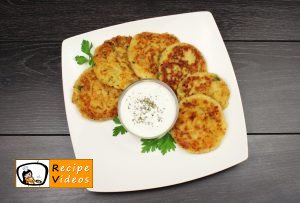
{"x": 148, "y": 108}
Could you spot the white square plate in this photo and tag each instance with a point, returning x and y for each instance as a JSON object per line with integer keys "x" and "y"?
{"x": 119, "y": 164}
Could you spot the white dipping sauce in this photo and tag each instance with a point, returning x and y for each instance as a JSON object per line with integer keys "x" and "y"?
{"x": 148, "y": 108}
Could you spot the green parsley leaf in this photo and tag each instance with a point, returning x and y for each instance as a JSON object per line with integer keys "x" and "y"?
{"x": 119, "y": 130}
{"x": 164, "y": 144}
{"x": 167, "y": 144}
{"x": 81, "y": 60}
{"x": 86, "y": 47}
{"x": 117, "y": 120}
{"x": 149, "y": 145}
{"x": 91, "y": 61}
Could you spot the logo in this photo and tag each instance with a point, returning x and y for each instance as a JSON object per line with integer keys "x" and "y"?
{"x": 55, "y": 173}
{"x": 32, "y": 173}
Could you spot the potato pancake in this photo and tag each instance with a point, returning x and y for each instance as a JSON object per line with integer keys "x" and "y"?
{"x": 201, "y": 125}
{"x": 112, "y": 65}
{"x": 94, "y": 99}
{"x": 179, "y": 60}
{"x": 209, "y": 84}
{"x": 144, "y": 52}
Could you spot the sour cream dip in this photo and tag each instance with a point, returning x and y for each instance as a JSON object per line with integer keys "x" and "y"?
{"x": 148, "y": 108}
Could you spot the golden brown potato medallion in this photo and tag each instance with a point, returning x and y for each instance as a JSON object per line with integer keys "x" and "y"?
{"x": 179, "y": 60}
{"x": 112, "y": 65}
{"x": 209, "y": 84}
{"x": 94, "y": 99}
{"x": 144, "y": 52}
{"x": 201, "y": 125}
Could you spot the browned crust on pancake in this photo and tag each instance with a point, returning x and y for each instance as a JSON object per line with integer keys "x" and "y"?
{"x": 112, "y": 65}
{"x": 94, "y": 99}
{"x": 209, "y": 84}
{"x": 200, "y": 126}
{"x": 174, "y": 66}
{"x": 145, "y": 50}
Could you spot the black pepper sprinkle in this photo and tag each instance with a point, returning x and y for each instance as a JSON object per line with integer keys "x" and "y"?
{"x": 145, "y": 108}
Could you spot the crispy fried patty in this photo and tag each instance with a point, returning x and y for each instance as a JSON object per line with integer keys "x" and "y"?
{"x": 179, "y": 60}
{"x": 94, "y": 99}
{"x": 209, "y": 84}
{"x": 112, "y": 65}
{"x": 144, "y": 52}
{"x": 200, "y": 126}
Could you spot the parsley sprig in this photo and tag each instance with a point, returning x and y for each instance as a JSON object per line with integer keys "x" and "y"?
{"x": 119, "y": 129}
{"x": 164, "y": 144}
{"x": 86, "y": 47}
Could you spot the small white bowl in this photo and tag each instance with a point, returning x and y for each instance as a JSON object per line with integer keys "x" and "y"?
{"x": 146, "y": 132}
